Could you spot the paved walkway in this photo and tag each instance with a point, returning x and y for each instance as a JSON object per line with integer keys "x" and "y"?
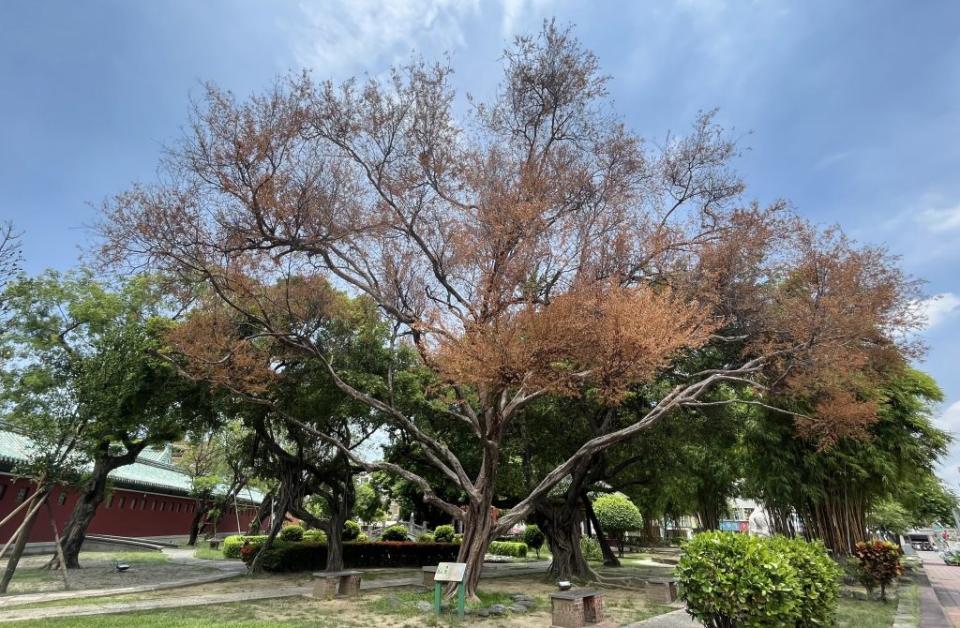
{"x": 939, "y": 593}
{"x": 673, "y": 619}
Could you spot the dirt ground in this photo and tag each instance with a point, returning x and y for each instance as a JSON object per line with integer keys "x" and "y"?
{"x": 98, "y": 572}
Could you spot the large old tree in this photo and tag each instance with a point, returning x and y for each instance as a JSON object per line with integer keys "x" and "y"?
{"x": 533, "y": 246}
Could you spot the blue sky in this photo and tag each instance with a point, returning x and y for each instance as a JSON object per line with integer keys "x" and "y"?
{"x": 851, "y": 110}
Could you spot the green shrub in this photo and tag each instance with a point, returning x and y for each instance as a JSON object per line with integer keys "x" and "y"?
{"x": 362, "y": 538}
{"x": 819, "y": 579}
{"x": 879, "y": 564}
{"x": 233, "y": 543}
{"x": 534, "y": 537}
{"x": 396, "y": 532}
{"x": 305, "y": 556}
{"x": 351, "y": 530}
{"x": 730, "y": 580}
{"x": 458, "y": 538}
{"x": 426, "y": 537}
{"x": 508, "y": 548}
{"x": 590, "y": 548}
{"x": 617, "y": 515}
{"x": 292, "y": 533}
{"x": 315, "y": 536}
{"x": 444, "y": 534}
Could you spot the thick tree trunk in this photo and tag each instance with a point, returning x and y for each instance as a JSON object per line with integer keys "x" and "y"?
{"x": 335, "y": 541}
{"x": 609, "y": 559}
{"x": 561, "y": 526}
{"x": 75, "y": 531}
{"x": 266, "y": 507}
{"x": 200, "y": 511}
{"x": 277, "y": 523}
{"x": 23, "y": 535}
{"x": 477, "y": 534}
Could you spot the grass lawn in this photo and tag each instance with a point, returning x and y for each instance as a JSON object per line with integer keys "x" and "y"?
{"x": 875, "y": 614}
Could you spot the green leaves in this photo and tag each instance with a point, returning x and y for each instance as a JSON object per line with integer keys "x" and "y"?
{"x": 616, "y": 513}
{"x": 737, "y": 580}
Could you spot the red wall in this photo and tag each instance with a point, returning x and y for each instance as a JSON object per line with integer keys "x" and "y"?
{"x": 141, "y": 513}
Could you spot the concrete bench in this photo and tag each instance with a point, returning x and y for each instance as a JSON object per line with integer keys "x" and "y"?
{"x": 215, "y": 543}
{"x": 327, "y": 584}
{"x": 575, "y": 609}
{"x": 661, "y": 590}
{"x": 428, "y": 574}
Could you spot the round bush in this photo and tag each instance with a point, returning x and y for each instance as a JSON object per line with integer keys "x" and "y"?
{"x": 232, "y": 545}
{"x": 397, "y": 532}
{"x": 534, "y": 537}
{"x": 617, "y": 514}
{"x": 362, "y": 538}
{"x": 444, "y": 534}
{"x": 457, "y": 538}
{"x": 819, "y": 579}
{"x": 730, "y": 580}
{"x": 426, "y": 537}
{"x": 351, "y": 530}
{"x": 292, "y": 533}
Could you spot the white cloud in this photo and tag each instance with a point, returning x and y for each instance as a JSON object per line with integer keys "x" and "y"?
{"x": 345, "y": 36}
{"x": 950, "y": 418}
{"x": 938, "y": 308}
{"x": 940, "y": 219}
{"x": 514, "y": 10}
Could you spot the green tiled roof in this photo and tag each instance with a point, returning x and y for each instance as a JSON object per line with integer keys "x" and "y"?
{"x": 151, "y": 470}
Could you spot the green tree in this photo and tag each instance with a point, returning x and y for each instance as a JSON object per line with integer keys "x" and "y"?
{"x": 618, "y": 515}
{"x": 534, "y": 537}
{"x": 889, "y": 518}
{"x": 99, "y": 351}
{"x": 370, "y": 506}
{"x": 833, "y": 488}
{"x": 219, "y": 462}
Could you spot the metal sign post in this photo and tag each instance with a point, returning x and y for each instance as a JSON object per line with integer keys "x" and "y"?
{"x": 450, "y": 572}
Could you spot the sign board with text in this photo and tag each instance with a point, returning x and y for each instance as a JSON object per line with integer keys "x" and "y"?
{"x": 450, "y": 572}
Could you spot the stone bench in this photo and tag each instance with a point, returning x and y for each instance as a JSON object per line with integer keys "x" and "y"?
{"x": 327, "y": 584}
{"x": 661, "y": 590}
{"x": 575, "y": 609}
{"x": 428, "y": 574}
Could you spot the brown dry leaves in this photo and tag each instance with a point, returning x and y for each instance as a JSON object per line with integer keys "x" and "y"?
{"x": 607, "y": 335}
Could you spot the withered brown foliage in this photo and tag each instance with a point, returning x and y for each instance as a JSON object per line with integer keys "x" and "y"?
{"x": 535, "y": 247}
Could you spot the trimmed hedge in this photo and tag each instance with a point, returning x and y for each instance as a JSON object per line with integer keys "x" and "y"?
{"x": 444, "y": 534}
{"x": 306, "y": 556}
{"x": 508, "y": 548}
{"x": 291, "y": 533}
{"x": 426, "y": 537}
{"x": 819, "y": 575}
{"x": 730, "y": 579}
{"x": 233, "y": 543}
{"x": 396, "y": 532}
